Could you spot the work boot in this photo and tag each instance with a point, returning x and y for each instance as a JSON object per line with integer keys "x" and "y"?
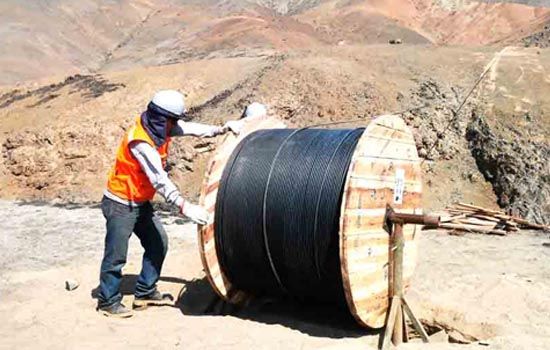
{"x": 115, "y": 310}
{"x": 156, "y": 298}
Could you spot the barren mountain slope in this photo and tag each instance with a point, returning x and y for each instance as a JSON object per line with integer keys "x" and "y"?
{"x": 60, "y": 37}
{"x": 41, "y": 38}
{"x": 510, "y": 140}
{"x": 61, "y": 146}
{"x": 539, "y": 39}
{"x": 59, "y": 139}
{"x": 320, "y": 61}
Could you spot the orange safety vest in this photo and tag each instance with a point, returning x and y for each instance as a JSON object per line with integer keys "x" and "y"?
{"x": 126, "y": 179}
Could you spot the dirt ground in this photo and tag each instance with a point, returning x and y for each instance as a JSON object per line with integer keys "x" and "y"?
{"x": 491, "y": 291}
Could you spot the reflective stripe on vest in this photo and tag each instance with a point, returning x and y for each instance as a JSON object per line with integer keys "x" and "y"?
{"x": 126, "y": 179}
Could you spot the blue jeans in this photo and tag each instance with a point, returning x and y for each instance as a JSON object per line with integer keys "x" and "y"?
{"x": 122, "y": 220}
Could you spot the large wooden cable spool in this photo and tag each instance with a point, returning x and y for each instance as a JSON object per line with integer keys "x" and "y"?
{"x": 385, "y": 168}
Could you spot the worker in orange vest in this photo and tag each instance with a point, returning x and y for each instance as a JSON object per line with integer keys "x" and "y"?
{"x": 137, "y": 175}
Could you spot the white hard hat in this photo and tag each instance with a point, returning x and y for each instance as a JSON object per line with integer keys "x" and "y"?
{"x": 254, "y": 110}
{"x": 171, "y": 101}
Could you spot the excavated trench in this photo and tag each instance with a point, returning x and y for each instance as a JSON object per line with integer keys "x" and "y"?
{"x": 450, "y": 326}
{"x": 452, "y": 333}
{"x": 518, "y": 170}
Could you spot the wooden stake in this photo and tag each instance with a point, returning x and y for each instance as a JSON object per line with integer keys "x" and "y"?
{"x": 416, "y": 323}
{"x": 398, "y": 244}
{"x": 405, "y": 329}
{"x": 390, "y": 323}
{"x": 396, "y": 327}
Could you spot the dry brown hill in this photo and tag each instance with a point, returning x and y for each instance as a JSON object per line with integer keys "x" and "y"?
{"x": 61, "y": 37}
{"x": 309, "y": 61}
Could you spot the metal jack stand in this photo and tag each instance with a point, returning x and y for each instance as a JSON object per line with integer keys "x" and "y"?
{"x": 396, "y": 329}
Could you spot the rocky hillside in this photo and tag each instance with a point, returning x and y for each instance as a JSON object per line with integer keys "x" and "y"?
{"x": 311, "y": 62}
{"x": 539, "y": 39}
{"x": 289, "y": 7}
{"x": 510, "y": 139}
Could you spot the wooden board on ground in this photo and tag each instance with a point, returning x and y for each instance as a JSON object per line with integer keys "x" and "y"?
{"x": 471, "y": 218}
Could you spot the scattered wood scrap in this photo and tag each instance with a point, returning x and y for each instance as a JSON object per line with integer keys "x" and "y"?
{"x": 461, "y": 217}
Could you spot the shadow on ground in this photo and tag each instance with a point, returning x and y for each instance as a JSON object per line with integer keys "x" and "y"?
{"x": 198, "y": 299}
{"x": 128, "y": 284}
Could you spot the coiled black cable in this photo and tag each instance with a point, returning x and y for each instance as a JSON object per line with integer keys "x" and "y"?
{"x": 278, "y": 210}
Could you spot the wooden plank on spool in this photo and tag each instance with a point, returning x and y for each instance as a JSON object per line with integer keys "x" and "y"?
{"x": 214, "y": 170}
{"x": 361, "y": 197}
{"x": 386, "y": 145}
{"x": 367, "y": 182}
{"x": 371, "y": 166}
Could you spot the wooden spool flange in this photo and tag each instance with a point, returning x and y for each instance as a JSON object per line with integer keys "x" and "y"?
{"x": 384, "y": 160}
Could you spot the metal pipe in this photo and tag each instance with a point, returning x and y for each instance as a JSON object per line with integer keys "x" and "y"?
{"x": 429, "y": 220}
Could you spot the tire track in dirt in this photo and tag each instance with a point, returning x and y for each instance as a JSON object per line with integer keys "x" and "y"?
{"x": 528, "y": 61}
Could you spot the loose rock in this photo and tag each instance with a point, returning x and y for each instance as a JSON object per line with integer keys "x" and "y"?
{"x": 71, "y": 284}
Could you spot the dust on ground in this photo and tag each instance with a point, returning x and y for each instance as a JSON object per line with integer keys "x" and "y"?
{"x": 480, "y": 291}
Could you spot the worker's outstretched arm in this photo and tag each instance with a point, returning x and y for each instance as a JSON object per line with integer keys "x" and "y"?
{"x": 183, "y": 128}
{"x": 151, "y": 164}
{"x": 196, "y": 129}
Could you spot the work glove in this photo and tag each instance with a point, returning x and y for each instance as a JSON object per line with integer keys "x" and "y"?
{"x": 234, "y": 125}
{"x": 195, "y": 213}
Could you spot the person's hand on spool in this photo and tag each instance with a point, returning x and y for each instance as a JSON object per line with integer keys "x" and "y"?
{"x": 234, "y": 126}
{"x": 195, "y": 213}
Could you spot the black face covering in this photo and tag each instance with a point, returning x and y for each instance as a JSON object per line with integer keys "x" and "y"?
{"x": 155, "y": 122}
